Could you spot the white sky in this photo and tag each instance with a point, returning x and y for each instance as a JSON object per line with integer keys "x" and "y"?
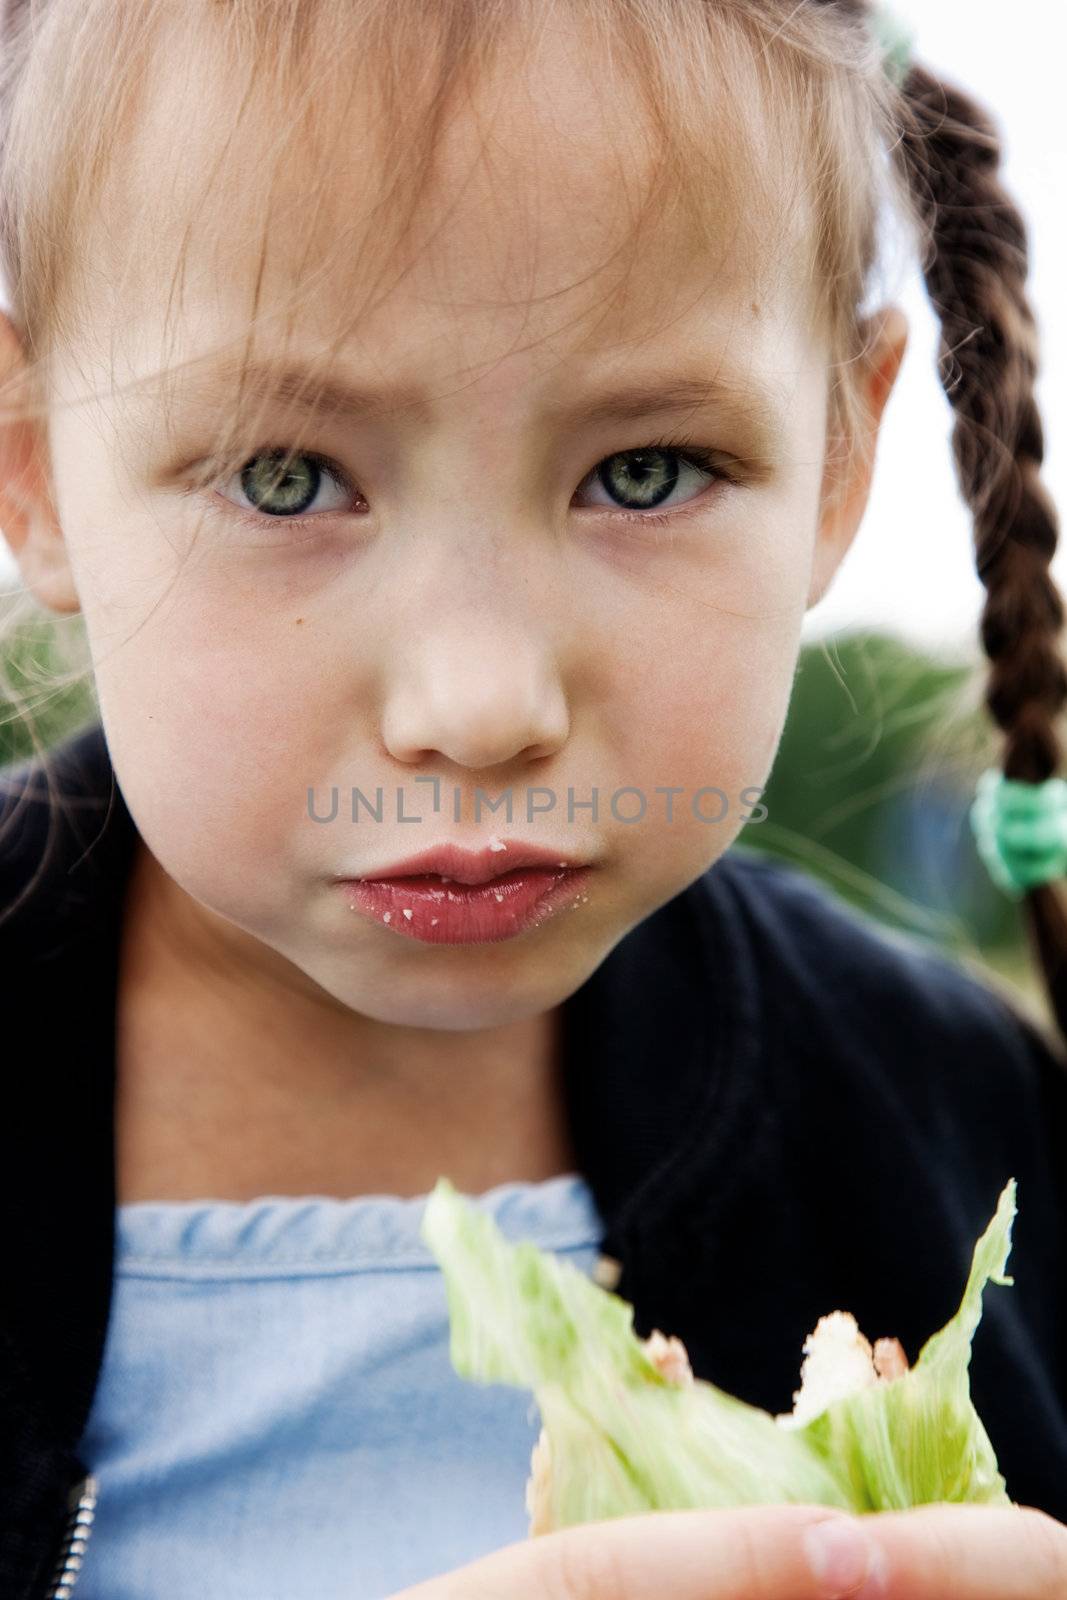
{"x": 911, "y": 568}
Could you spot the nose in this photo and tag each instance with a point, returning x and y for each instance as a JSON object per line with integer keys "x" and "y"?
{"x": 478, "y": 693}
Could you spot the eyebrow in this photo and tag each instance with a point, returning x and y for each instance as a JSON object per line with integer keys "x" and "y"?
{"x": 298, "y": 385}
{"x": 744, "y": 404}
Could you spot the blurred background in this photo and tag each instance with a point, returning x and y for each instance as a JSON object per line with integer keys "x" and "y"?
{"x": 886, "y": 733}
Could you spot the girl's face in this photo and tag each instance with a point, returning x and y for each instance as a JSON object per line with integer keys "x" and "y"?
{"x": 462, "y": 598}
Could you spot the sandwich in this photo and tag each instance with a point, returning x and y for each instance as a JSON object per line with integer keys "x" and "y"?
{"x": 627, "y": 1428}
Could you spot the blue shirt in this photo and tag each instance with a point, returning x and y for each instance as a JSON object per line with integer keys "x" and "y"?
{"x": 277, "y": 1416}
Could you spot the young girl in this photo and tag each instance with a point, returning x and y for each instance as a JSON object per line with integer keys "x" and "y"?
{"x": 441, "y": 417}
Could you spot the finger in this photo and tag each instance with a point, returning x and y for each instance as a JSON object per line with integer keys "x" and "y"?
{"x": 972, "y": 1552}
{"x": 748, "y": 1553}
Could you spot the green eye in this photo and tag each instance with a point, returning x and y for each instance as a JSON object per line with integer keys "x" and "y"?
{"x": 640, "y": 480}
{"x": 279, "y": 483}
{"x": 647, "y": 476}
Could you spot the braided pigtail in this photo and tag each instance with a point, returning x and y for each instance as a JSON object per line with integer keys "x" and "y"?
{"x": 975, "y": 265}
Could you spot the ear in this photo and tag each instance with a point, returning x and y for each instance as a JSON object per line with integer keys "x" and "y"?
{"x": 27, "y": 516}
{"x": 847, "y": 480}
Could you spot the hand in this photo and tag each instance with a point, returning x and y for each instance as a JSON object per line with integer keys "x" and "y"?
{"x": 939, "y": 1552}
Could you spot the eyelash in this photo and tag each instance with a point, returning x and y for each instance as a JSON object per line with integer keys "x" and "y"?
{"x": 680, "y": 445}
{"x": 696, "y": 455}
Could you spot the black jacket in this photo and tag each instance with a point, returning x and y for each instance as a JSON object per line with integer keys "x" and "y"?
{"x": 780, "y": 1107}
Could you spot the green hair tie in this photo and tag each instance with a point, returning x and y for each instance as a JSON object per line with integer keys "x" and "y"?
{"x": 1020, "y": 830}
{"x": 897, "y": 41}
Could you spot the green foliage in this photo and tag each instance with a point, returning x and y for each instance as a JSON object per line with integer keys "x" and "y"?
{"x": 34, "y": 696}
{"x": 870, "y": 790}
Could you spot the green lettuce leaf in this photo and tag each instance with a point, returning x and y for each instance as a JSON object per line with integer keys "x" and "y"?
{"x": 623, "y": 1438}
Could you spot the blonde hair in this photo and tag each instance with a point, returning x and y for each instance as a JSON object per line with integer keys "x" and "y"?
{"x": 761, "y": 101}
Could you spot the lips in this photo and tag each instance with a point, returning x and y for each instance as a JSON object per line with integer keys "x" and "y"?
{"x": 427, "y": 909}
{"x": 454, "y": 863}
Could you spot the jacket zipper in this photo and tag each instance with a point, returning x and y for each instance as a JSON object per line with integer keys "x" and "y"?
{"x": 82, "y": 1508}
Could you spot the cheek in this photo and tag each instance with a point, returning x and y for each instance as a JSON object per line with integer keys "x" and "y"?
{"x": 712, "y": 658}
{"x": 709, "y": 716}
{"x": 218, "y": 727}
{"x": 210, "y": 806}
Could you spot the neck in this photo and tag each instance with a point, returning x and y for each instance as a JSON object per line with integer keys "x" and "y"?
{"x": 228, "y": 1089}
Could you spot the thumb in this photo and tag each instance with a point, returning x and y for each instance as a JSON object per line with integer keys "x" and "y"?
{"x": 742, "y": 1553}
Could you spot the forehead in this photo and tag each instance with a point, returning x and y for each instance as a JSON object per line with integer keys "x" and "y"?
{"x": 548, "y": 221}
